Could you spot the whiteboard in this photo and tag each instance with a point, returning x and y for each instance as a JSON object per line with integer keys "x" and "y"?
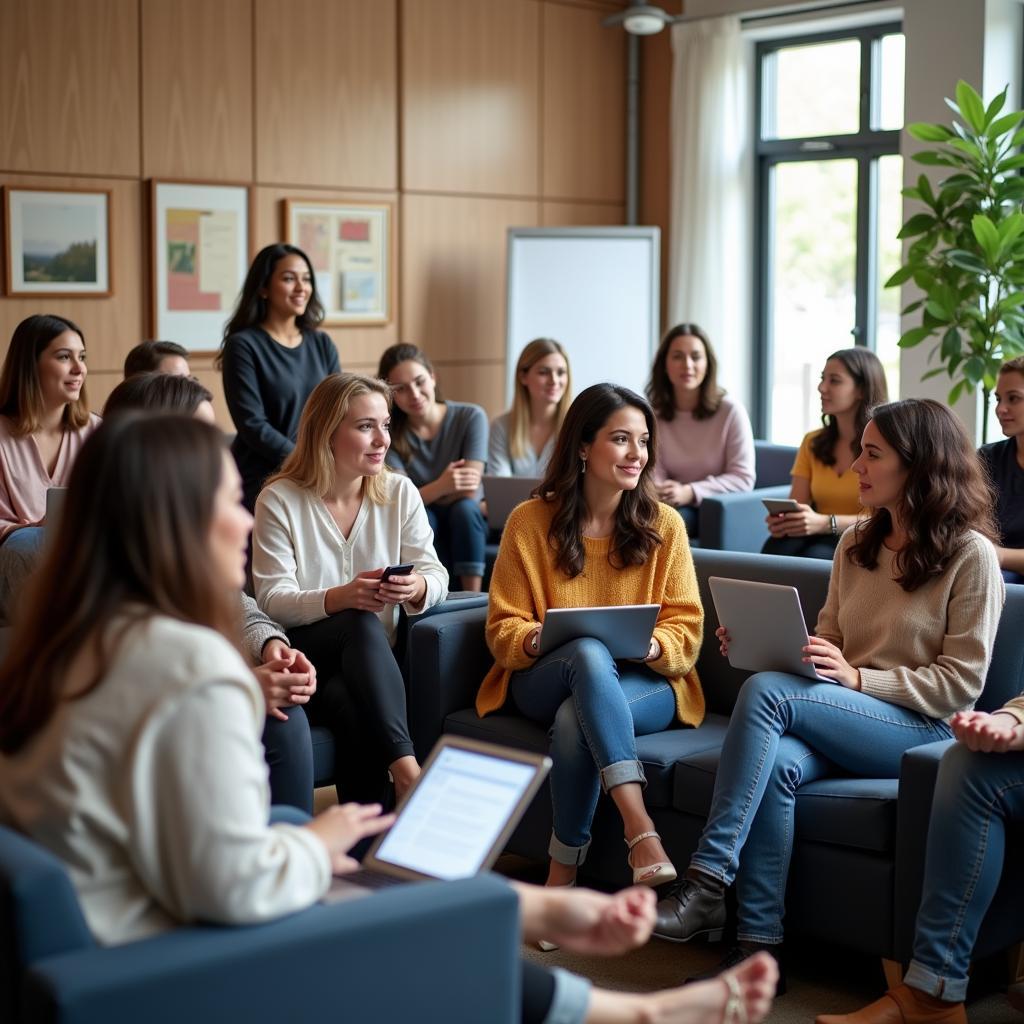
{"x": 594, "y": 290}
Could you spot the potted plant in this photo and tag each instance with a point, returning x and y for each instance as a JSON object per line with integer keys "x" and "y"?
{"x": 968, "y": 251}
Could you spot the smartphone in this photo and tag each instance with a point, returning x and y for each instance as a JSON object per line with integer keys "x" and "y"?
{"x": 777, "y": 505}
{"x": 397, "y": 570}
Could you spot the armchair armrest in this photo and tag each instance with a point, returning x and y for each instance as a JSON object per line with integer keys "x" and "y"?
{"x": 919, "y": 769}
{"x": 448, "y": 659}
{"x": 735, "y": 522}
{"x": 452, "y": 947}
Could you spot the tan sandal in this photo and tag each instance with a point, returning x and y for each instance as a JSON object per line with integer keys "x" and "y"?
{"x": 734, "y": 1011}
{"x": 652, "y": 875}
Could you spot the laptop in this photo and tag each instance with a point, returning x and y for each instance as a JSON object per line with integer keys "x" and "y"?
{"x": 503, "y": 493}
{"x": 625, "y": 629}
{"x": 456, "y": 819}
{"x": 767, "y": 629}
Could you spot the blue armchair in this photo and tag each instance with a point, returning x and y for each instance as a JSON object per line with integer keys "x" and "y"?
{"x": 454, "y": 946}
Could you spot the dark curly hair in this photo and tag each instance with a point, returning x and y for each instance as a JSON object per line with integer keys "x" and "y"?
{"x": 946, "y": 493}
{"x": 634, "y": 537}
{"x": 659, "y": 388}
{"x": 866, "y": 370}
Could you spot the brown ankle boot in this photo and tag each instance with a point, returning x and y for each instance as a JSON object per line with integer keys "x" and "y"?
{"x": 901, "y": 1005}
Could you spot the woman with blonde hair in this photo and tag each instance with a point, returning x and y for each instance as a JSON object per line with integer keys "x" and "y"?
{"x": 327, "y": 526}
{"x": 523, "y": 438}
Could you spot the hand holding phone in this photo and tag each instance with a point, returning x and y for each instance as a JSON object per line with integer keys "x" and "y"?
{"x": 396, "y": 570}
{"x": 776, "y": 506}
{"x": 393, "y": 592}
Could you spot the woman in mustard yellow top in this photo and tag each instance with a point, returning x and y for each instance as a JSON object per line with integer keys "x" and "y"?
{"x": 852, "y": 383}
{"x": 597, "y": 536}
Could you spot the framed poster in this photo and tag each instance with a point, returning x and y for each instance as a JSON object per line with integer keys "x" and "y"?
{"x": 199, "y": 234}
{"x": 57, "y": 242}
{"x": 349, "y": 245}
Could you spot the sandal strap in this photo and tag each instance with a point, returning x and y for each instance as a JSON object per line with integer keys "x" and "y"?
{"x": 630, "y": 843}
{"x": 734, "y": 1012}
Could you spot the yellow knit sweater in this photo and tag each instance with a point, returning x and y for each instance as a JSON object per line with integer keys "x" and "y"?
{"x": 525, "y": 583}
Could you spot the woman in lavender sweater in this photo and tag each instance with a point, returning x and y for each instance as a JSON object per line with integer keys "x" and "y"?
{"x": 706, "y": 445}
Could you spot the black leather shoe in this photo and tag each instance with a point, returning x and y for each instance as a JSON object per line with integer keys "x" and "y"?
{"x": 736, "y": 955}
{"x": 690, "y": 911}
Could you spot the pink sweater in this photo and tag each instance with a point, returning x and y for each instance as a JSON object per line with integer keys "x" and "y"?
{"x": 24, "y": 480}
{"x": 713, "y": 455}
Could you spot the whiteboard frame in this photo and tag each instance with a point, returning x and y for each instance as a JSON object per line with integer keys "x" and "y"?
{"x": 651, "y": 234}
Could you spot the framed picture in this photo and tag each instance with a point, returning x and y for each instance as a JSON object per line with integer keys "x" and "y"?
{"x": 199, "y": 236}
{"x": 57, "y": 242}
{"x": 349, "y": 245}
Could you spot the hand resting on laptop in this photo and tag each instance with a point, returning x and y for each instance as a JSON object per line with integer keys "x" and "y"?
{"x": 826, "y": 658}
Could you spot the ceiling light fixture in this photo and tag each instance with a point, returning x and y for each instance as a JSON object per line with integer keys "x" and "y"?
{"x": 641, "y": 19}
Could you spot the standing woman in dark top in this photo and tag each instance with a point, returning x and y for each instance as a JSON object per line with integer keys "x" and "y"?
{"x": 1004, "y": 461}
{"x": 272, "y": 357}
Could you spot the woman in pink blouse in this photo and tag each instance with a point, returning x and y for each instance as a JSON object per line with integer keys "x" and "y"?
{"x": 44, "y": 420}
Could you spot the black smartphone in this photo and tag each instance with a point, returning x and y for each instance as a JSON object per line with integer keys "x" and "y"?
{"x": 397, "y": 570}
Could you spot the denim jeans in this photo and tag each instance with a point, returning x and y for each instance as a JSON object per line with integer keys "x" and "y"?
{"x": 785, "y": 731}
{"x": 460, "y": 536}
{"x": 20, "y": 554}
{"x": 975, "y": 795}
{"x": 595, "y": 708}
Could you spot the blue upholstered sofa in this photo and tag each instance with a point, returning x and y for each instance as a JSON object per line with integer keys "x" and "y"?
{"x": 457, "y": 944}
{"x": 856, "y": 872}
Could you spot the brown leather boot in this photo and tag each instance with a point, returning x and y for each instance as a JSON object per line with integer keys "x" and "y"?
{"x": 901, "y": 1005}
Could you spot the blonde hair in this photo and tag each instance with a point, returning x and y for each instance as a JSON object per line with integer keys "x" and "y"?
{"x": 519, "y": 415}
{"x": 311, "y": 462}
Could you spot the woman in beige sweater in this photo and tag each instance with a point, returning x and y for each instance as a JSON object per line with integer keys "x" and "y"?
{"x": 902, "y": 644}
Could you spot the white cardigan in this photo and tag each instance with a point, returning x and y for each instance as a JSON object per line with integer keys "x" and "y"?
{"x": 152, "y": 789}
{"x": 298, "y": 552}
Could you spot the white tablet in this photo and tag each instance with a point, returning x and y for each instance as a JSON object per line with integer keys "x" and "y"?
{"x": 625, "y": 629}
{"x": 767, "y": 632}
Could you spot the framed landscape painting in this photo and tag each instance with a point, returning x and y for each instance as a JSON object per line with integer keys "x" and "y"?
{"x": 199, "y": 258}
{"x": 349, "y": 245}
{"x": 57, "y": 242}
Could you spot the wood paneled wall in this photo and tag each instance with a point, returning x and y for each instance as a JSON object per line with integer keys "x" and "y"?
{"x": 471, "y": 116}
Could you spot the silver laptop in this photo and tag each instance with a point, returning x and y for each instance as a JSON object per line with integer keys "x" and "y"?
{"x": 503, "y": 493}
{"x": 625, "y": 629}
{"x": 456, "y": 819}
{"x": 767, "y": 630}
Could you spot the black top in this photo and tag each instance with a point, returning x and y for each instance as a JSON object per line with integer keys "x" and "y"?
{"x": 266, "y": 386}
{"x": 1000, "y": 458}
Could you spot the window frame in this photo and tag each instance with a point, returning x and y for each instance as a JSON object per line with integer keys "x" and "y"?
{"x": 866, "y": 146}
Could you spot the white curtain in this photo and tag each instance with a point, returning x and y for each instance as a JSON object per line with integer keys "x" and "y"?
{"x": 711, "y": 241}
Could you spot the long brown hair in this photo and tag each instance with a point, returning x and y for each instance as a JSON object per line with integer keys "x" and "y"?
{"x": 945, "y": 495}
{"x": 634, "y": 537}
{"x": 519, "y": 414}
{"x": 662, "y": 394}
{"x": 21, "y": 398}
{"x": 391, "y": 357}
{"x": 311, "y": 462}
{"x": 138, "y": 512}
{"x": 868, "y": 374}
{"x": 157, "y": 392}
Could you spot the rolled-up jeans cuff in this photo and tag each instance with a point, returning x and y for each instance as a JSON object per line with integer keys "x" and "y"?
{"x": 468, "y": 568}
{"x": 571, "y": 856}
{"x": 620, "y": 773}
{"x": 570, "y": 1000}
{"x": 950, "y": 990}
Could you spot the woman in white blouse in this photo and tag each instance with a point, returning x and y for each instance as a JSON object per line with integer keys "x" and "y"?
{"x": 327, "y": 525}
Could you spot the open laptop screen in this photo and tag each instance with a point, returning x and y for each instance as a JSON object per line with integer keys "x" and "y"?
{"x": 456, "y": 813}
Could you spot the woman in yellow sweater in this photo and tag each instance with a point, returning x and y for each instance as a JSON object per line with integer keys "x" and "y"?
{"x": 596, "y": 535}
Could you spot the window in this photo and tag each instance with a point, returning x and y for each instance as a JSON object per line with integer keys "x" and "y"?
{"x": 829, "y": 114}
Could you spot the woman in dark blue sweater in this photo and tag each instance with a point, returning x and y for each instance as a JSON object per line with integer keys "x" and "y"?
{"x": 272, "y": 357}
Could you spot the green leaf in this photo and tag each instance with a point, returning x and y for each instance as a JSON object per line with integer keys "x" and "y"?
{"x": 925, "y": 188}
{"x": 1012, "y": 164}
{"x": 915, "y": 336}
{"x": 986, "y": 234}
{"x": 933, "y": 373}
{"x": 1004, "y": 124}
{"x": 938, "y": 311}
{"x": 1011, "y": 302}
{"x": 912, "y": 308}
{"x": 966, "y": 146}
{"x": 950, "y": 343}
{"x": 1018, "y": 139}
{"x": 995, "y": 106}
{"x": 917, "y": 225}
{"x": 930, "y": 158}
{"x": 971, "y": 106}
{"x": 966, "y": 261}
{"x": 974, "y": 369}
{"x": 925, "y": 132}
{"x": 901, "y": 275}
{"x": 956, "y": 391}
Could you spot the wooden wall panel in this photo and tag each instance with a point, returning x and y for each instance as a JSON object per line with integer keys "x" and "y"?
{"x": 355, "y": 344}
{"x": 581, "y": 215}
{"x": 482, "y": 383}
{"x": 453, "y": 273}
{"x": 69, "y": 87}
{"x": 197, "y": 89}
{"x": 470, "y": 95}
{"x": 326, "y": 93}
{"x": 584, "y": 105}
{"x": 111, "y": 325}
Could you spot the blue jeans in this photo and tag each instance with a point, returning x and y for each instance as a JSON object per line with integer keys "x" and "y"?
{"x": 785, "y": 731}
{"x": 460, "y": 536}
{"x": 975, "y": 795}
{"x": 20, "y": 554}
{"x": 595, "y": 708}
